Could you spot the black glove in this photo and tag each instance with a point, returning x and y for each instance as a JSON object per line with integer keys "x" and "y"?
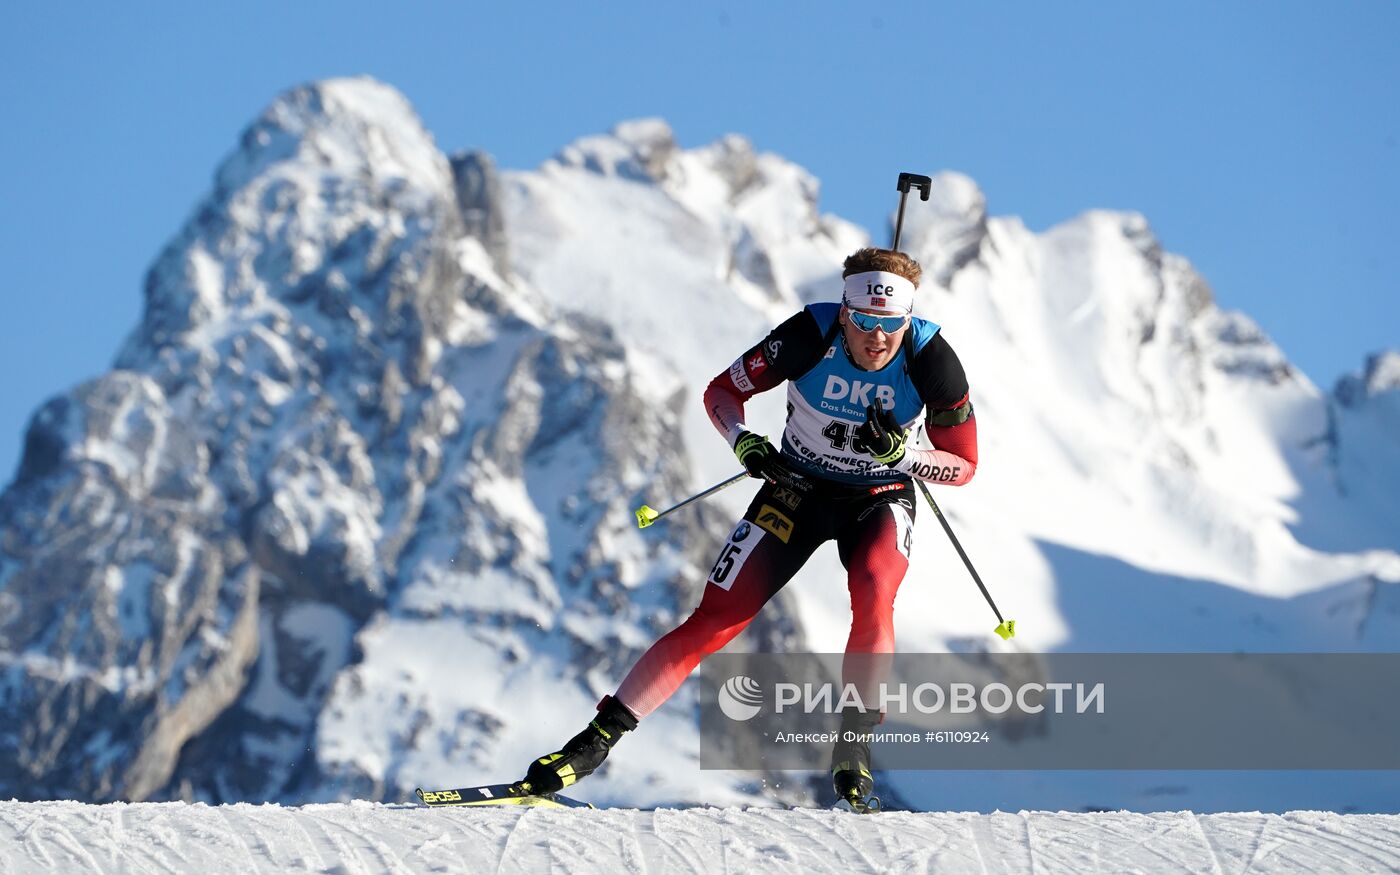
{"x": 759, "y": 458}
{"x": 882, "y": 435}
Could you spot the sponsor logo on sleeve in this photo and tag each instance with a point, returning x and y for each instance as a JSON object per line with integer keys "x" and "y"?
{"x": 740, "y": 377}
{"x": 757, "y": 364}
{"x": 773, "y": 347}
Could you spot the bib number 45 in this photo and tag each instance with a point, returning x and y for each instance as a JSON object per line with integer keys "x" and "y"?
{"x": 839, "y": 434}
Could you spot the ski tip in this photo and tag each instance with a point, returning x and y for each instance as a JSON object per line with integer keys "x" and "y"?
{"x": 645, "y": 516}
{"x": 1006, "y": 630}
{"x": 418, "y": 791}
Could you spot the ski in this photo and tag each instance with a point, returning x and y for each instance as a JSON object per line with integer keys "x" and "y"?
{"x": 495, "y": 794}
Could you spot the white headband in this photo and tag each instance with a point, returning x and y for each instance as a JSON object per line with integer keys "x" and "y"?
{"x": 879, "y": 290}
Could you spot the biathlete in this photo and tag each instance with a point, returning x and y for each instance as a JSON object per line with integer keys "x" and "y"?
{"x": 861, "y": 373}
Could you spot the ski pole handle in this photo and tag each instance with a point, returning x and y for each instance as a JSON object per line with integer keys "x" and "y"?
{"x": 906, "y": 181}
{"x": 646, "y": 516}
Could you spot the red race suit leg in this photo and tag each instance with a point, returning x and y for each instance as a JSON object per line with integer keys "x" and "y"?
{"x": 874, "y": 544}
{"x": 762, "y": 554}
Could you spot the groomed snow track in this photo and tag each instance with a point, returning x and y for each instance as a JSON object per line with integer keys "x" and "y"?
{"x": 370, "y": 838}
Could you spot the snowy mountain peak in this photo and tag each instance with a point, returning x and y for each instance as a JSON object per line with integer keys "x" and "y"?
{"x": 336, "y": 217}
{"x": 713, "y": 179}
{"x": 1381, "y": 375}
{"x": 338, "y": 417}
{"x": 640, "y": 150}
{"x": 353, "y": 126}
{"x": 947, "y": 230}
{"x": 733, "y": 160}
{"x": 1369, "y": 404}
{"x": 954, "y": 197}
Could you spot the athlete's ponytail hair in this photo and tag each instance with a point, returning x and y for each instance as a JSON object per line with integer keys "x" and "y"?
{"x": 888, "y": 260}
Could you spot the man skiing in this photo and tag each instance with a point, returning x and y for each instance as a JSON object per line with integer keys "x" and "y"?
{"x": 860, "y": 374}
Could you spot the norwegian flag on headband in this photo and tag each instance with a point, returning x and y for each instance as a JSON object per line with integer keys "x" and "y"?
{"x": 878, "y": 302}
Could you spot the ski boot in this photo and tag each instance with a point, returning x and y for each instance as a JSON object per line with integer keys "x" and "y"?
{"x": 850, "y": 763}
{"x": 583, "y": 753}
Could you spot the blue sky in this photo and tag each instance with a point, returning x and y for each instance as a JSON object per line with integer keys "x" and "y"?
{"x": 1262, "y": 141}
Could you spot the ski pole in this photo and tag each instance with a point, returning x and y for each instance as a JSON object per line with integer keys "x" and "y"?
{"x": 646, "y": 516}
{"x": 907, "y": 181}
{"x": 1006, "y": 628}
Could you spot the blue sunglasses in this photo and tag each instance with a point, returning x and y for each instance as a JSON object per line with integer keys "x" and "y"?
{"x": 869, "y": 321}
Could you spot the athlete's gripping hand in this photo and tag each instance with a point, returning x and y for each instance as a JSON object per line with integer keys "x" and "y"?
{"x": 758, "y": 457}
{"x": 882, "y": 435}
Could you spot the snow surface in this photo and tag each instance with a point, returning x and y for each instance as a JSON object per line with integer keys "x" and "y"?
{"x": 363, "y": 837}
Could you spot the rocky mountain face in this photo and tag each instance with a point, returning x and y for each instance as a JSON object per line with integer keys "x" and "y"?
{"x": 352, "y": 511}
{"x": 337, "y": 413}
